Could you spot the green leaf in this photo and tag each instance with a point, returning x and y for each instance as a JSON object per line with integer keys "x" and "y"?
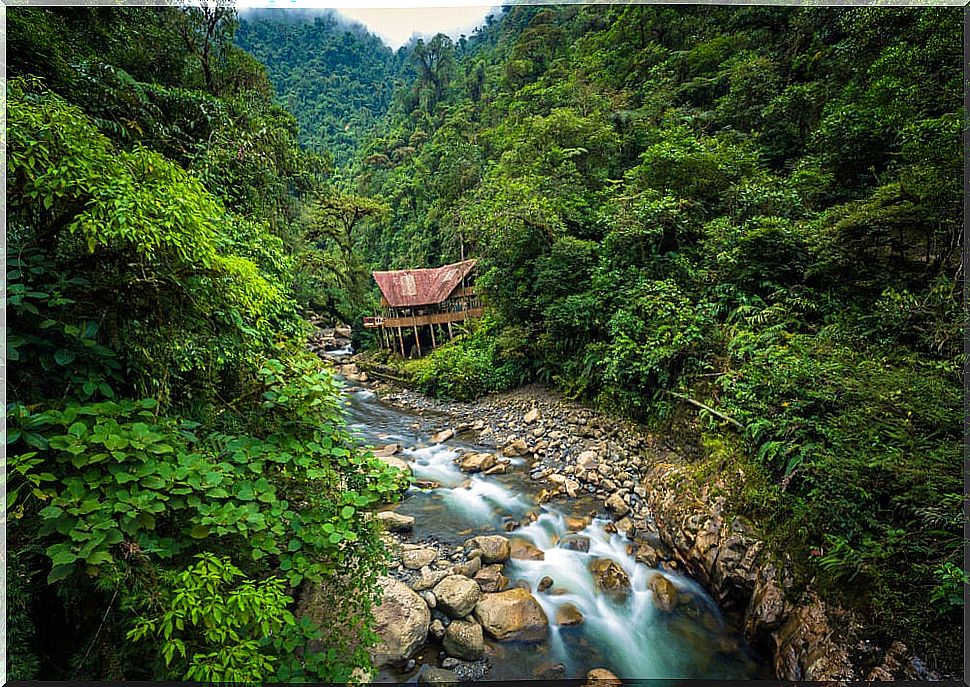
{"x": 63, "y": 557}
{"x": 63, "y": 357}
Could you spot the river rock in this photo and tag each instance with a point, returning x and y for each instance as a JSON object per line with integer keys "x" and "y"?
{"x": 477, "y": 462}
{"x": 610, "y": 578}
{"x": 457, "y": 595}
{"x": 525, "y": 550}
{"x": 443, "y": 436}
{"x": 497, "y": 469}
{"x": 494, "y": 547}
{"x": 513, "y": 614}
{"x": 576, "y": 524}
{"x": 544, "y": 584}
{"x": 568, "y": 615}
{"x": 647, "y": 555}
{"x": 429, "y": 578}
{"x": 438, "y": 676}
{"x": 625, "y": 526}
{"x": 601, "y": 677}
{"x": 575, "y": 542}
{"x": 437, "y": 628}
{"x": 401, "y": 622}
{"x": 388, "y": 450}
{"x": 491, "y": 579}
{"x": 664, "y": 593}
{"x": 429, "y": 599}
{"x": 395, "y": 522}
{"x": 515, "y": 448}
{"x": 469, "y": 568}
{"x": 616, "y": 504}
{"x": 531, "y": 416}
{"x": 587, "y": 460}
{"x": 415, "y": 559}
{"x": 464, "y": 639}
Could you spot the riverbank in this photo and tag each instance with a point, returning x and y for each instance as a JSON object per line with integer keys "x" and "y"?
{"x": 673, "y": 507}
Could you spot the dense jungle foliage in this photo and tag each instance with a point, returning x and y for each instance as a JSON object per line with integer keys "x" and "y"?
{"x": 334, "y": 76}
{"x": 178, "y": 464}
{"x": 754, "y": 209}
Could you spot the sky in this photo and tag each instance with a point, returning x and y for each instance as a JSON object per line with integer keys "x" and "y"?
{"x": 397, "y": 25}
{"x": 396, "y": 21}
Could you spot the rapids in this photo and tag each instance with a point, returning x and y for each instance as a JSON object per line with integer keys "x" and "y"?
{"x": 630, "y": 637}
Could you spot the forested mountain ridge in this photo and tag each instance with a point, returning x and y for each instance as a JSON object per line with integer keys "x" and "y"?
{"x": 178, "y": 463}
{"x": 335, "y": 77}
{"x": 756, "y": 209}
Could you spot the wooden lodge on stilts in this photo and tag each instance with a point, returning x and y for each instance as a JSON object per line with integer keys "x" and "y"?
{"x": 421, "y": 301}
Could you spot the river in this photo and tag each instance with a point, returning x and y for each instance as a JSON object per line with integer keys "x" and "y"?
{"x": 630, "y": 636}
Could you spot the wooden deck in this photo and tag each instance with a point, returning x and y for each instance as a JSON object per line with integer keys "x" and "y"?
{"x": 421, "y": 320}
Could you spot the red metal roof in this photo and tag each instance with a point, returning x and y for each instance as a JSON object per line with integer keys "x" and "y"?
{"x": 408, "y": 288}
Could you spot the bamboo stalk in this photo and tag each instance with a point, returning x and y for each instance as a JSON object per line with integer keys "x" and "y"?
{"x": 715, "y": 413}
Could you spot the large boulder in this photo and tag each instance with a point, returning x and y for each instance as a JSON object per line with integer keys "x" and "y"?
{"x": 616, "y": 504}
{"x": 513, "y": 614}
{"x": 477, "y": 462}
{"x": 417, "y": 558}
{"x": 457, "y": 595}
{"x": 664, "y": 592}
{"x": 387, "y": 450}
{"x": 568, "y": 615}
{"x": 395, "y": 522}
{"x": 491, "y": 579}
{"x": 525, "y": 550}
{"x": 494, "y": 547}
{"x": 429, "y": 578}
{"x": 515, "y": 448}
{"x": 464, "y": 639}
{"x": 443, "y": 436}
{"x": 610, "y": 578}
{"x": 469, "y": 568}
{"x": 574, "y": 524}
{"x": 601, "y": 677}
{"x": 401, "y": 622}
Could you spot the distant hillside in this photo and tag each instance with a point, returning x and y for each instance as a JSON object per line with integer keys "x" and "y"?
{"x": 334, "y": 76}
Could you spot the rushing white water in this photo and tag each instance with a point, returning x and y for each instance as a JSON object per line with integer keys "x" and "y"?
{"x": 630, "y": 637}
{"x": 437, "y": 463}
{"x": 632, "y": 632}
{"x": 484, "y": 502}
{"x": 344, "y": 352}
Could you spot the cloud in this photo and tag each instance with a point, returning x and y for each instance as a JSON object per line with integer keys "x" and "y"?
{"x": 394, "y": 20}
{"x": 398, "y": 25}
